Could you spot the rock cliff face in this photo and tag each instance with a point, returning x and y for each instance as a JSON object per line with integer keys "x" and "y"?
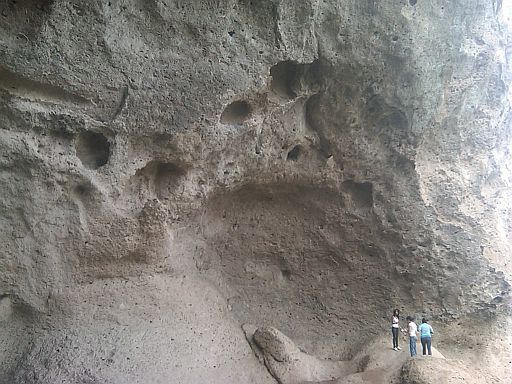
{"x": 171, "y": 170}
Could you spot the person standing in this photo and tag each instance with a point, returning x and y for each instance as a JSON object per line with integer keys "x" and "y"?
{"x": 426, "y": 332}
{"x": 395, "y": 328}
{"x": 413, "y": 330}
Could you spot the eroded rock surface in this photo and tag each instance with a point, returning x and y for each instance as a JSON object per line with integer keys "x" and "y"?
{"x": 170, "y": 170}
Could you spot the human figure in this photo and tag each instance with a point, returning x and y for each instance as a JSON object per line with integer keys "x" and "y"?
{"x": 395, "y": 328}
{"x": 413, "y": 330}
{"x": 426, "y": 332}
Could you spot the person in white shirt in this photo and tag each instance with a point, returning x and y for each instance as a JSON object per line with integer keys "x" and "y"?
{"x": 413, "y": 330}
{"x": 395, "y": 328}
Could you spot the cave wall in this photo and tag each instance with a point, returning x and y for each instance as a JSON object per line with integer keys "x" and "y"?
{"x": 172, "y": 170}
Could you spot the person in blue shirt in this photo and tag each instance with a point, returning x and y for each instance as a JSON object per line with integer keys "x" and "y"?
{"x": 426, "y": 332}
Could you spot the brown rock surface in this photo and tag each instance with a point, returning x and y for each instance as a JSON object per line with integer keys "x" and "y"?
{"x": 171, "y": 170}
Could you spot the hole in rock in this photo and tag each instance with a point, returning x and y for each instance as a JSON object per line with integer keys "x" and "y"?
{"x": 290, "y": 78}
{"x": 388, "y": 120}
{"x": 283, "y": 77}
{"x": 236, "y": 113}
{"x": 413, "y": 2}
{"x": 294, "y": 154}
{"x": 161, "y": 177}
{"x": 361, "y": 193}
{"x": 83, "y": 189}
{"x": 93, "y": 149}
{"x": 87, "y": 194}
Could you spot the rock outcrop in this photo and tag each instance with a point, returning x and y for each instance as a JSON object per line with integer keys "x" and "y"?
{"x": 288, "y": 364}
{"x": 171, "y": 170}
{"x": 374, "y": 364}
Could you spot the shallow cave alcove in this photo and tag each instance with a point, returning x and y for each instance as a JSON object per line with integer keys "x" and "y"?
{"x": 236, "y": 113}
{"x": 93, "y": 149}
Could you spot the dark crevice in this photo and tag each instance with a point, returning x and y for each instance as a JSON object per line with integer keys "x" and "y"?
{"x": 294, "y": 154}
{"x": 122, "y": 102}
{"x": 311, "y": 111}
{"x": 34, "y": 90}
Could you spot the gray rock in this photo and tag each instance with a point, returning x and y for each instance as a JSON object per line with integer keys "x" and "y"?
{"x": 171, "y": 170}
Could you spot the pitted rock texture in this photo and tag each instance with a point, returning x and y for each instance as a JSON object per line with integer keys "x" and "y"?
{"x": 171, "y": 170}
